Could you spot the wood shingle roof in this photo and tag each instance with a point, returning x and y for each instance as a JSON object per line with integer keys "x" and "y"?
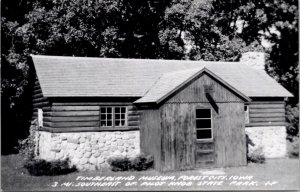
{"x": 171, "y": 82}
{"x": 61, "y": 76}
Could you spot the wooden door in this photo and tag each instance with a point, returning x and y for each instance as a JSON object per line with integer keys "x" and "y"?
{"x": 204, "y": 144}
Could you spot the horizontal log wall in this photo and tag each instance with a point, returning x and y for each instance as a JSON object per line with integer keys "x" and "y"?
{"x": 40, "y": 102}
{"x": 266, "y": 113}
{"x": 85, "y": 116}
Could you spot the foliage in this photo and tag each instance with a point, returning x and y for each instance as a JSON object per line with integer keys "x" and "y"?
{"x": 170, "y": 29}
{"x": 256, "y": 156}
{"x": 273, "y": 21}
{"x": 189, "y": 31}
{"x": 292, "y": 118}
{"x": 27, "y": 146}
{"x": 139, "y": 163}
{"x": 142, "y": 162}
{"x": 293, "y": 147}
{"x": 119, "y": 163}
{"x": 38, "y": 167}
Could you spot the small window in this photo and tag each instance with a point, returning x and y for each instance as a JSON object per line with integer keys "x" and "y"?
{"x": 113, "y": 116}
{"x": 246, "y": 110}
{"x": 203, "y": 124}
{"x": 40, "y": 117}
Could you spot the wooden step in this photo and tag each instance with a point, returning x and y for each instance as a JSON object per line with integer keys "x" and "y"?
{"x": 205, "y": 151}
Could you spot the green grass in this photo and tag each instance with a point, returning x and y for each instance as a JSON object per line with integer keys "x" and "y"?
{"x": 283, "y": 171}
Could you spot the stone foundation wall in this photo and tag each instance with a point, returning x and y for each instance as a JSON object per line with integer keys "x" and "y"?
{"x": 88, "y": 150}
{"x": 271, "y": 139}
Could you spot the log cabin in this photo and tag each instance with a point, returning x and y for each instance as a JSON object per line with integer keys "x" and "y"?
{"x": 186, "y": 114}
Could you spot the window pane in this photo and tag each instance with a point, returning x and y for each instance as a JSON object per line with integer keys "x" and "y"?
{"x": 109, "y": 123}
{"x": 109, "y": 116}
{"x": 103, "y": 123}
{"x": 123, "y": 109}
{"x": 202, "y": 113}
{"x": 123, "y": 122}
{"x": 122, "y": 116}
{"x": 117, "y": 123}
{"x": 117, "y": 109}
{"x": 103, "y": 110}
{"x": 203, "y": 123}
{"x": 204, "y": 134}
{"x": 117, "y": 116}
{"x": 109, "y": 110}
{"x": 103, "y": 117}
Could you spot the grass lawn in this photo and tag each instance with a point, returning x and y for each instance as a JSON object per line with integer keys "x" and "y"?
{"x": 275, "y": 174}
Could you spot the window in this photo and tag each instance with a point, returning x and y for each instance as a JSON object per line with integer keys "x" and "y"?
{"x": 120, "y": 116}
{"x": 113, "y": 116}
{"x": 246, "y": 110}
{"x": 106, "y": 117}
{"x": 40, "y": 117}
{"x": 203, "y": 124}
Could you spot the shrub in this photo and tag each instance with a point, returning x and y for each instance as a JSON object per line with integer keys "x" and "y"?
{"x": 292, "y": 118}
{"x": 38, "y": 167}
{"x": 257, "y": 156}
{"x": 293, "y": 147}
{"x": 119, "y": 163}
{"x": 139, "y": 163}
{"x": 27, "y": 146}
{"x": 142, "y": 162}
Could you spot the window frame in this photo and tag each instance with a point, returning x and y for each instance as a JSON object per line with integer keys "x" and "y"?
{"x": 211, "y": 125}
{"x": 113, "y": 117}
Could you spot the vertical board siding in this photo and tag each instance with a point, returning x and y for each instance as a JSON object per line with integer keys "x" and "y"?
{"x": 179, "y": 148}
{"x": 150, "y": 135}
{"x": 195, "y": 92}
{"x": 179, "y": 145}
{"x": 266, "y": 113}
{"x": 230, "y": 138}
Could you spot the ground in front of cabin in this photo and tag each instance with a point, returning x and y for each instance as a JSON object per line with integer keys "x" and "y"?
{"x": 275, "y": 174}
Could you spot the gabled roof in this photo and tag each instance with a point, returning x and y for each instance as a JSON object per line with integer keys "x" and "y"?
{"x": 61, "y": 76}
{"x": 169, "y": 83}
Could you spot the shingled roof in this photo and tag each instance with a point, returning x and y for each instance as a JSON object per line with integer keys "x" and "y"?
{"x": 101, "y": 77}
{"x": 168, "y": 83}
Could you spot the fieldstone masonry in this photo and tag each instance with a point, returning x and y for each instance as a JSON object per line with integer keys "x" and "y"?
{"x": 88, "y": 150}
{"x": 91, "y": 150}
{"x": 272, "y": 140}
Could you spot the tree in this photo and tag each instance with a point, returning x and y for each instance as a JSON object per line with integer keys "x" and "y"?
{"x": 104, "y": 28}
{"x": 170, "y": 29}
{"x": 190, "y": 31}
{"x": 274, "y": 21}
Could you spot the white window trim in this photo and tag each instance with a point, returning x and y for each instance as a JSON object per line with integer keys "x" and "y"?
{"x": 247, "y": 116}
{"x": 113, "y": 117}
{"x": 211, "y": 124}
{"x": 40, "y": 117}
